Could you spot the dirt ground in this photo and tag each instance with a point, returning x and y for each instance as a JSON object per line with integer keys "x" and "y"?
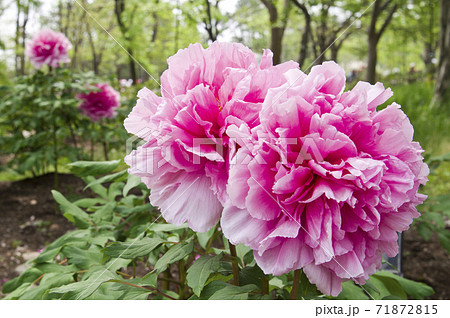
{"x": 29, "y": 223}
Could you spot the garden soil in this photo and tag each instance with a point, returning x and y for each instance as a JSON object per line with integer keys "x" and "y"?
{"x": 29, "y": 222}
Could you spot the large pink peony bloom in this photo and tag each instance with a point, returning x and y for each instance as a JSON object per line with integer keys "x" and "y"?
{"x": 328, "y": 181}
{"x": 185, "y": 158}
{"x": 100, "y": 104}
{"x": 48, "y": 47}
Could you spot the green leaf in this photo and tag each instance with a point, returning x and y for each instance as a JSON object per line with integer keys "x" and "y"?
{"x": 27, "y": 276}
{"x": 83, "y": 289}
{"x": 107, "y": 178}
{"x": 53, "y": 268}
{"x": 93, "y": 168}
{"x": 71, "y": 212}
{"x": 424, "y": 231}
{"x": 132, "y": 250}
{"x": 129, "y": 292}
{"x": 391, "y": 285}
{"x": 350, "y": 291}
{"x": 49, "y": 281}
{"x": 133, "y": 292}
{"x": 97, "y": 188}
{"x": 203, "y": 238}
{"x": 78, "y": 237}
{"x": 251, "y": 275}
{"x": 82, "y": 258}
{"x": 417, "y": 290}
{"x": 88, "y": 202}
{"x": 175, "y": 253}
{"x": 199, "y": 272}
{"x": 132, "y": 182}
{"x": 158, "y": 227}
{"x": 106, "y": 212}
{"x": 18, "y": 292}
{"x": 231, "y": 292}
{"x": 444, "y": 238}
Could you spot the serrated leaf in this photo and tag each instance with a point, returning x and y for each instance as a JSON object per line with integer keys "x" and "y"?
{"x": 199, "y": 272}
{"x": 132, "y": 250}
{"x": 251, "y": 275}
{"x": 175, "y": 253}
{"x": 93, "y": 168}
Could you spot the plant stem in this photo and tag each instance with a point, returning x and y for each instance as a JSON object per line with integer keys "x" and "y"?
{"x": 104, "y": 142}
{"x": 211, "y": 239}
{"x": 265, "y": 285}
{"x": 165, "y": 283}
{"x": 234, "y": 264}
{"x": 55, "y": 153}
{"x": 147, "y": 288}
{"x": 105, "y": 149}
{"x": 182, "y": 273}
{"x": 295, "y": 283}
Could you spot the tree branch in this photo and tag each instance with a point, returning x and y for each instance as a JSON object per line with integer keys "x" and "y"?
{"x": 387, "y": 21}
{"x": 273, "y": 13}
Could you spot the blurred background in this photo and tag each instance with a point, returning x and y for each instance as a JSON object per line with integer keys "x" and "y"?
{"x": 405, "y": 44}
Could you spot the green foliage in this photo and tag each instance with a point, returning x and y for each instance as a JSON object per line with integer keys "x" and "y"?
{"x": 41, "y": 123}
{"x": 385, "y": 285}
{"x": 118, "y": 232}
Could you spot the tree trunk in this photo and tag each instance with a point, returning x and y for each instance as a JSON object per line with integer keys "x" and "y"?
{"x": 372, "y": 60}
{"x": 304, "y": 42}
{"x": 374, "y": 36}
{"x": 277, "y": 28}
{"x": 17, "y": 38}
{"x": 24, "y": 35}
{"x": 305, "y": 34}
{"x": 276, "y": 43}
{"x": 442, "y": 89}
{"x": 119, "y": 8}
{"x": 132, "y": 66}
{"x": 155, "y": 23}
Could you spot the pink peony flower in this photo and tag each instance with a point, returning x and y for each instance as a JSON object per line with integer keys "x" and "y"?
{"x": 328, "y": 180}
{"x": 100, "y": 104}
{"x": 48, "y": 47}
{"x": 185, "y": 157}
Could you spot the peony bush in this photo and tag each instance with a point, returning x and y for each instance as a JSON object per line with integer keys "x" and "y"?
{"x": 43, "y": 114}
{"x": 250, "y": 181}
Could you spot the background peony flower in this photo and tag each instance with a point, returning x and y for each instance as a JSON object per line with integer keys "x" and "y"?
{"x": 100, "y": 104}
{"x": 329, "y": 180}
{"x": 185, "y": 159}
{"x": 48, "y": 47}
